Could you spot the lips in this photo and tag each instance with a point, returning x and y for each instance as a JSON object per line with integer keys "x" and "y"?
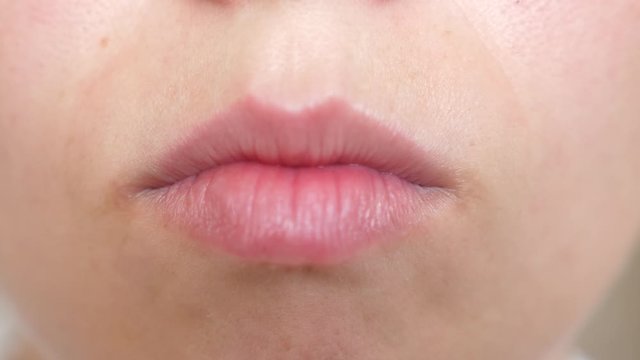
{"x": 313, "y": 186}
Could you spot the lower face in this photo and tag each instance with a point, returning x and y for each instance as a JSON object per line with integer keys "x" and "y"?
{"x": 532, "y": 107}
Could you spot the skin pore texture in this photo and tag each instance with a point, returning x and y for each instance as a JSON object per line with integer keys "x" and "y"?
{"x": 533, "y": 104}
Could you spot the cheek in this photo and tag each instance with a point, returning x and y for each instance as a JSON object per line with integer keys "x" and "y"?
{"x": 575, "y": 68}
{"x": 586, "y": 50}
{"x": 45, "y": 48}
{"x": 48, "y": 44}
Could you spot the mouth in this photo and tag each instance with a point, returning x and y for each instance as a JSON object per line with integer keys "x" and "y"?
{"x": 313, "y": 186}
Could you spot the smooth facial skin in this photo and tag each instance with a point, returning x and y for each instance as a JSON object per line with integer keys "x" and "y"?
{"x": 536, "y": 103}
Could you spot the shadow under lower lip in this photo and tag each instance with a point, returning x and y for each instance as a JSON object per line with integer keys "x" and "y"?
{"x": 292, "y": 216}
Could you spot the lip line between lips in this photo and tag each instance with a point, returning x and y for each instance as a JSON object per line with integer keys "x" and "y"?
{"x": 412, "y": 166}
{"x": 336, "y": 165}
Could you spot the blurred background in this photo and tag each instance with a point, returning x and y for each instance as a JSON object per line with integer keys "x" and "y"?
{"x": 614, "y": 332}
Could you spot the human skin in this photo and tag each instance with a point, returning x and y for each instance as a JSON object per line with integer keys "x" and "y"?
{"x": 534, "y": 102}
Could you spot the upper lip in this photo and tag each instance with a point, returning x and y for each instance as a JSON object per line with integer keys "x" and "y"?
{"x": 327, "y": 133}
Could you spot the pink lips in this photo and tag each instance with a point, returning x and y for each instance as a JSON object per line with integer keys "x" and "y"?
{"x": 306, "y": 187}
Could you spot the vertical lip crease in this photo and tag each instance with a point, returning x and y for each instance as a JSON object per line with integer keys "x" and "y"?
{"x": 329, "y": 133}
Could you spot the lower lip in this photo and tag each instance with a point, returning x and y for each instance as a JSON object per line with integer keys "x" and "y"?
{"x": 293, "y": 216}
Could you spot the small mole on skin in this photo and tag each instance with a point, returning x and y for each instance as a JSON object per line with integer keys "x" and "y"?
{"x": 104, "y": 42}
